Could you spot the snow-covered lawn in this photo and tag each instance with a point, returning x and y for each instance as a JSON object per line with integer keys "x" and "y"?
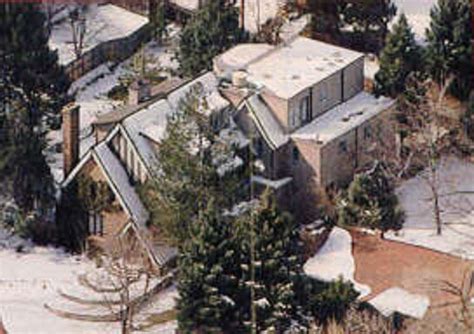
{"x": 335, "y": 260}
{"x": 31, "y": 279}
{"x": 457, "y": 205}
{"x": 399, "y": 300}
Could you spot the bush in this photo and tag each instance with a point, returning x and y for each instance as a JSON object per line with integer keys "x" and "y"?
{"x": 371, "y": 202}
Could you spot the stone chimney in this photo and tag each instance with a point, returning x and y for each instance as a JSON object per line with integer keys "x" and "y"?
{"x": 138, "y": 92}
{"x": 70, "y": 137}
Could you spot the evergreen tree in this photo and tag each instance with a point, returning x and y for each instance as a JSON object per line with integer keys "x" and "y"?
{"x": 326, "y": 16}
{"x": 32, "y": 90}
{"x": 187, "y": 176}
{"x": 449, "y": 45}
{"x": 400, "y": 57}
{"x": 369, "y": 19}
{"x": 214, "y": 29}
{"x": 208, "y": 283}
{"x": 277, "y": 264}
{"x": 371, "y": 202}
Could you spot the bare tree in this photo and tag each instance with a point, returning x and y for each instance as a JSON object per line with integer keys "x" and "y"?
{"x": 123, "y": 285}
{"x": 423, "y": 137}
{"x": 463, "y": 292}
{"x": 77, "y": 21}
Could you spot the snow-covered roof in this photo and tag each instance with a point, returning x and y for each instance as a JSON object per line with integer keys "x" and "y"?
{"x": 210, "y": 85}
{"x": 293, "y": 67}
{"x": 103, "y": 23}
{"x": 145, "y": 125}
{"x": 120, "y": 183}
{"x": 266, "y": 123}
{"x": 399, "y": 300}
{"x": 239, "y": 57}
{"x": 343, "y": 118}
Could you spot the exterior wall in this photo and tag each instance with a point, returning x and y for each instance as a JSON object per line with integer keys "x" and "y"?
{"x": 353, "y": 79}
{"x": 279, "y": 107}
{"x": 327, "y": 94}
{"x": 114, "y": 217}
{"x": 336, "y": 162}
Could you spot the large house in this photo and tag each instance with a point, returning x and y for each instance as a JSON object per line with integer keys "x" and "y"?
{"x": 300, "y": 106}
{"x": 304, "y": 105}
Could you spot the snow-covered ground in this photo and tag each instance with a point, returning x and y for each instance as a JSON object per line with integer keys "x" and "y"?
{"x": 335, "y": 260}
{"x": 418, "y": 14}
{"x": 457, "y": 205}
{"x": 31, "y": 279}
{"x": 399, "y": 300}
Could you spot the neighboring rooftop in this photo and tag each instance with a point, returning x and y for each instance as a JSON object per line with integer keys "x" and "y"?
{"x": 103, "y": 23}
{"x": 294, "y": 67}
{"x": 343, "y": 118}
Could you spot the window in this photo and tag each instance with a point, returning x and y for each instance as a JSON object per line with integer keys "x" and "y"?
{"x": 96, "y": 224}
{"x": 343, "y": 147}
{"x": 294, "y": 121}
{"x": 368, "y": 132}
{"x": 305, "y": 109}
{"x": 296, "y": 155}
{"x": 323, "y": 92}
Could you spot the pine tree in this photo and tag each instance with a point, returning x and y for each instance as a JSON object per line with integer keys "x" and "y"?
{"x": 371, "y": 202}
{"x": 32, "y": 90}
{"x": 370, "y": 19}
{"x": 187, "y": 177}
{"x": 208, "y": 284}
{"x": 214, "y": 29}
{"x": 449, "y": 45}
{"x": 400, "y": 57}
{"x": 278, "y": 265}
{"x": 326, "y": 16}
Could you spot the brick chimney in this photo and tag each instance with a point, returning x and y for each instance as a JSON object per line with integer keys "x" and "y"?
{"x": 138, "y": 92}
{"x": 70, "y": 137}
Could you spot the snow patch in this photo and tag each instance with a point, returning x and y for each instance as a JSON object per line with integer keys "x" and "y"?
{"x": 335, "y": 260}
{"x": 399, "y": 300}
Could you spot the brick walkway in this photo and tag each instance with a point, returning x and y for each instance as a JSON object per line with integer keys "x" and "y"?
{"x": 383, "y": 264}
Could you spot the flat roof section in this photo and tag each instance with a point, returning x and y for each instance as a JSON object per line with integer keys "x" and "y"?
{"x": 343, "y": 118}
{"x": 291, "y": 68}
